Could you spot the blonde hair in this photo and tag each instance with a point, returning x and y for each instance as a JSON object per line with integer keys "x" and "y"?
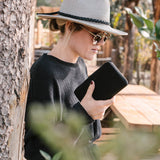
{"x": 59, "y": 24}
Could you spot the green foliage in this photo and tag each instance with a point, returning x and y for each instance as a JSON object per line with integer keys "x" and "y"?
{"x": 142, "y": 49}
{"x": 60, "y": 136}
{"x": 45, "y": 155}
{"x": 57, "y": 156}
{"x": 157, "y": 28}
{"x": 149, "y": 24}
{"x": 140, "y": 12}
{"x": 116, "y": 20}
{"x": 137, "y": 20}
{"x": 60, "y": 132}
{"x": 157, "y": 50}
{"x": 118, "y": 16}
{"x": 131, "y": 145}
{"x": 145, "y": 26}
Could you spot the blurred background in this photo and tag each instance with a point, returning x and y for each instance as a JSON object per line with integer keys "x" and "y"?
{"x": 134, "y": 54}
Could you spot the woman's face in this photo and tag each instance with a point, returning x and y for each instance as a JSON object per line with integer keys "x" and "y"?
{"x": 81, "y": 43}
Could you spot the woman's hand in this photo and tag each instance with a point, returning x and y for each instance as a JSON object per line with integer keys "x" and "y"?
{"x": 95, "y": 108}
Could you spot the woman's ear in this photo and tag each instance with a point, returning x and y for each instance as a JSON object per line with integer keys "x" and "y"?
{"x": 67, "y": 33}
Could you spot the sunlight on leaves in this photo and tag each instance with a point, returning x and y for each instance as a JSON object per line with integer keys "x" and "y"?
{"x": 45, "y": 155}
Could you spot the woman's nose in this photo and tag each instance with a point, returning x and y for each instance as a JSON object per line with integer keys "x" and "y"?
{"x": 101, "y": 42}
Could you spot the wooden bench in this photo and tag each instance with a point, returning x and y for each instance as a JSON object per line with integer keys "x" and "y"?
{"x": 107, "y": 135}
{"x": 138, "y": 107}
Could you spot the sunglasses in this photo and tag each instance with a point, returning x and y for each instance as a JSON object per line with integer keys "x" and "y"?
{"x": 98, "y": 36}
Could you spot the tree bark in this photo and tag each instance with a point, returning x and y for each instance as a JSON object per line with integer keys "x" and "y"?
{"x": 16, "y": 47}
{"x": 155, "y": 78}
{"x": 116, "y": 57}
{"x": 129, "y": 43}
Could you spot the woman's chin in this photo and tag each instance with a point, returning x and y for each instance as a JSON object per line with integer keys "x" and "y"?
{"x": 91, "y": 57}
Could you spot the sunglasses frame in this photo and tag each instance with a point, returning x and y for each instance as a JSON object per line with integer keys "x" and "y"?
{"x": 105, "y": 36}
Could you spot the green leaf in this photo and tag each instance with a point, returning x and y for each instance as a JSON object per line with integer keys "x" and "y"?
{"x": 157, "y": 49}
{"x": 153, "y": 38}
{"x": 157, "y": 28}
{"x": 57, "y": 156}
{"x": 45, "y": 155}
{"x": 144, "y": 32}
{"x": 149, "y": 24}
{"x": 158, "y": 55}
{"x": 128, "y": 10}
{"x": 155, "y": 45}
{"x": 137, "y": 20}
{"x": 140, "y": 12}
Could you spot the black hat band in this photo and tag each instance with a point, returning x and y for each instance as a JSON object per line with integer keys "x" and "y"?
{"x": 77, "y": 17}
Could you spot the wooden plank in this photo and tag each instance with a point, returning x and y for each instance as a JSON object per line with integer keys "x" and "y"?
{"x": 39, "y": 32}
{"x": 137, "y": 106}
{"x": 148, "y": 103}
{"x": 129, "y": 116}
{"x": 110, "y": 130}
{"x": 136, "y": 90}
{"x": 105, "y": 137}
{"x": 154, "y": 102}
{"x": 146, "y": 110}
{"x": 108, "y": 134}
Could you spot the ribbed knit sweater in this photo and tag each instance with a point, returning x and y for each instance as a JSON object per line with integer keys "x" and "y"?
{"x": 54, "y": 81}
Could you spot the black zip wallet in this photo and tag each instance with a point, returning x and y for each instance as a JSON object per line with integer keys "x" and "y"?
{"x": 108, "y": 82}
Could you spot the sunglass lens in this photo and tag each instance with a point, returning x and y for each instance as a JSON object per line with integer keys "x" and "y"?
{"x": 97, "y": 38}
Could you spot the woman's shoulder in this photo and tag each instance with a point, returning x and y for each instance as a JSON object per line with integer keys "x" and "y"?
{"x": 42, "y": 67}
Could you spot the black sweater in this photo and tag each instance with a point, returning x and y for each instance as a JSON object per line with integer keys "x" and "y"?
{"x": 52, "y": 81}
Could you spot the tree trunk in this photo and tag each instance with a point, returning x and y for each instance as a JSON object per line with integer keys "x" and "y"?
{"x": 129, "y": 52}
{"x": 129, "y": 43}
{"x": 155, "y": 78}
{"x": 116, "y": 57}
{"x": 158, "y": 78}
{"x": 16, "y": 47}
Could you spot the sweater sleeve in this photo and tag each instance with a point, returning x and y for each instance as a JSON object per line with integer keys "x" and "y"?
{"x": 78, "y": 107}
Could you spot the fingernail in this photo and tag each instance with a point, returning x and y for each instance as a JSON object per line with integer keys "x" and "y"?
{"x": 91, "y": 82}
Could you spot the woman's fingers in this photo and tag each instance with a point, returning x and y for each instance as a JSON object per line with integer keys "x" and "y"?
{"x": 98, "y": 116}
{"x": 90, "y": 89}
{"x": 95, "y": 108}
{"x": 106, "y": 103}
{"x": 100, "y": 113}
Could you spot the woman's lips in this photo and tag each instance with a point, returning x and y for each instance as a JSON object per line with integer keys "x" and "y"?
{"x": 95, "y": 51}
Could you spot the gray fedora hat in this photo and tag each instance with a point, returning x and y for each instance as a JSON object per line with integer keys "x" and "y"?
{"x": 91, "y": 13}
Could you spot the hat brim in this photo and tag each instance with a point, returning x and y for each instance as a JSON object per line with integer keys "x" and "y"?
{"x": 100, "y": 27}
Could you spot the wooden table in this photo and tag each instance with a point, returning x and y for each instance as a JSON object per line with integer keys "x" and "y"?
{"x": 138, "y": 107}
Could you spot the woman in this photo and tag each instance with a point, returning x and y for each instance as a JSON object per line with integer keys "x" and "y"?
{"x": 84, "y": 26}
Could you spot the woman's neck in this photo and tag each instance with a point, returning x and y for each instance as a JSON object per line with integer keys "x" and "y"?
{"x": 63, "y": 52}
